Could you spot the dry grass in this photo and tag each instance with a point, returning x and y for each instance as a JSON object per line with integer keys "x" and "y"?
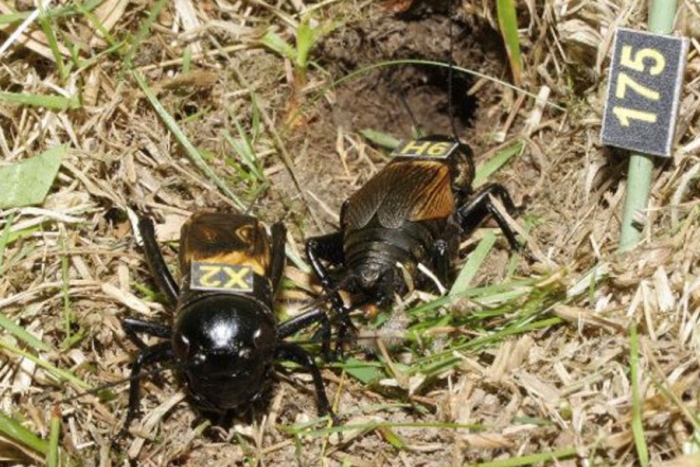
{"x": 536, "y": 361}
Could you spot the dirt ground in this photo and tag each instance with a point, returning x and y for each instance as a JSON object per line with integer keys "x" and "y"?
{"x": 536, "y": 366}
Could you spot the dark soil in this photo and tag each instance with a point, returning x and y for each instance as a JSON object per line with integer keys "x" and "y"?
{"x": 373, "y": 100}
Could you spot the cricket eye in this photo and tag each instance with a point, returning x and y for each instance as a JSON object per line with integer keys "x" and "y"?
{"x": 263, "y": 337}
{"x": 181, "y": 345}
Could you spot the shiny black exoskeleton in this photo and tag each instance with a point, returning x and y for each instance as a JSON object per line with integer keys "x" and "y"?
{"x": 413, "y": 212}
{"x": 225, "y": 337}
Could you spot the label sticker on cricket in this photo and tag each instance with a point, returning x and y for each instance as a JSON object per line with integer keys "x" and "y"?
{"x": 644, "y": 88}
{"x": 221, "y": 276}
{"x": 425, "y": 149}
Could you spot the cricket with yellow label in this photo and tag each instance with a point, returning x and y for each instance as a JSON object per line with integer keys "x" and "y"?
{"x": 403, "y": 227}
{"x": 225, "y": 337}
{"x": 401, "y": 230}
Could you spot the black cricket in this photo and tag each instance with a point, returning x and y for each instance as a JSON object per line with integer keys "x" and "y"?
{"x": 402, "y": 228}
{"x": 414, "y": 211}
{"x": 225, "y": 337}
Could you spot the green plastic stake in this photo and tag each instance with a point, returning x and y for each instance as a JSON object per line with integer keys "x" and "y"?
{"x": 662, "y": 14}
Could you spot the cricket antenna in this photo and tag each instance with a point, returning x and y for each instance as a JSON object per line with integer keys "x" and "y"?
{"x": 414, "y": 122}
{"x": 450, "y": 105}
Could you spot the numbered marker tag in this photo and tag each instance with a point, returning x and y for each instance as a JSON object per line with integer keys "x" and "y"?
{"x": 425, "y": 149}
{"x": 643, "y": 92}
{"x": 221, "y": 276}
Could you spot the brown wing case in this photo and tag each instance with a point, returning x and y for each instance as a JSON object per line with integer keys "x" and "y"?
{"x": 402, "y": 191}
{"x": 225, "y": 238}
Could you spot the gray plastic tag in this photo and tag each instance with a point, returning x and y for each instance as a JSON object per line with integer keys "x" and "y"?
{"x": 646, "y": 76}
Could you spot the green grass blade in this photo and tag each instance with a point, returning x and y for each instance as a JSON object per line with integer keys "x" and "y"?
{"x": 48, "y": 27}
{"x": 59, "y": 12}
{"x": 11, "y": 18}
{"x": 539, "y": 458}
{"x": 308, "y": 35}
{"x": 446, "y": 357}
{"x": 393, "y": 438}
{"x": 425, "y": 308}
{"x": 637, "y": 418}
{"x": 244, "y": 147}
{"x": 16, "y": 432}
{"x": 476, "y": 258}
{"x": 40, "y": 100}
{"x": 297, "y": 260}
{"x": 187, "y": 59}
{"x": 144, "y": 30}
{"x": 364, "y": 372}
{"x": 57, "y": 372}
{"x": 494, "y": 163}
{"x": 306, "y": 38}
{"x": 84, "y": 64}
{"x": 274, "y": 42}
{"x": 190, "y": 149}
{"x": 97, "y": 24}
{"x": 29, "y": 181}
{"x": 508, "y": 22}
{"x": 13, "y": 237}
{"x": 5, "y": 237}
{"x": 54, "y": 433}
{"x": 510, "y": 331}
{"x": 490, "y": 294}
{"x": 379, "y": 138}
{"x": 22, "y": 334}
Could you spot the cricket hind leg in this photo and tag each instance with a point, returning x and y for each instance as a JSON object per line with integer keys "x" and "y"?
{"x": 480, "y": 205}
{"x": 154, "y": 354}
